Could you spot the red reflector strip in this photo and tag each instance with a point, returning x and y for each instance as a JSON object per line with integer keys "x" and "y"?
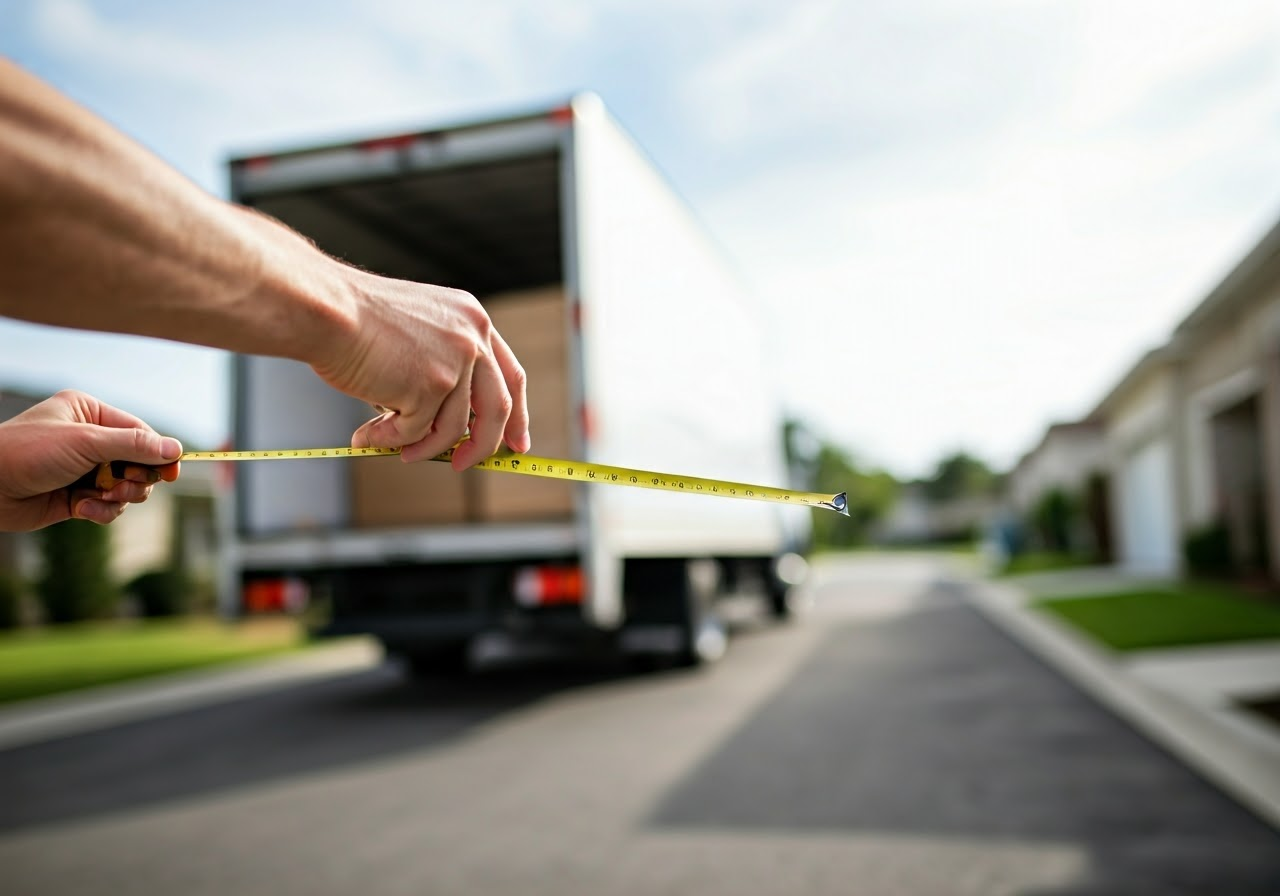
{"x": 549, "y": 586}
{"x": 399, "y": 141}
{"x": 586, "y": 422}
{"x": 561, "y": 114}
{"x": 256, "y": 163}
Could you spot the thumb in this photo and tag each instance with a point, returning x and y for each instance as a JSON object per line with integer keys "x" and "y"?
{"x": 143, "y": 446}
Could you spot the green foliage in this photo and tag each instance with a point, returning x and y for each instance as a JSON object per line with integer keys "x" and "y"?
{"x": 871, "y": 495}
{"x": 1054, "y": 518}
{"x": 76, "y": 583}
{"x": 161, "y": 592}
{"x": 960, "y": 475}
{"x": 10, "y": 601}
{"x": 1207, "y": 551}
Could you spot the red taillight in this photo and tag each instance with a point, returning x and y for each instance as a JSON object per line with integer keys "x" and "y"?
{"x": 286, "y": 595}
{"x": 561, "y": 114}
{"x": 549, "y": 586}
{"x": 256, "y": 163}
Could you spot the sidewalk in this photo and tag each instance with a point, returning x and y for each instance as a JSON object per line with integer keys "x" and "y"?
{"x": 91, "y": 709}
{"x": 1185, "y": 699}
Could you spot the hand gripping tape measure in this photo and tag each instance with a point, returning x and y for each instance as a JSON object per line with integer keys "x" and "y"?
{"x": 506, "y": 461}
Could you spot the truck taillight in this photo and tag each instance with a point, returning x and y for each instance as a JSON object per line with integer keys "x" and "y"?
{"x": 549, "y": 586}
{"x": 282, "y": 595}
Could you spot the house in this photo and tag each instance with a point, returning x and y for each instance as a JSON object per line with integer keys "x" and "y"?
{"x": 1071, "y": 459}
{"x": 1193, "y": 430}
{"x": 175, "y": 524}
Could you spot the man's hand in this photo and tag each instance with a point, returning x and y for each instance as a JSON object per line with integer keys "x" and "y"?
{"x": 98, "y": 234}
{"x": 432, "y": 358}
{"x": 47, "y": 448}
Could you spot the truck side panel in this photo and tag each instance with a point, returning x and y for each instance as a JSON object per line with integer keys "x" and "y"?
{"x": 675, "y": 366}
{"x": 283, "y": 404}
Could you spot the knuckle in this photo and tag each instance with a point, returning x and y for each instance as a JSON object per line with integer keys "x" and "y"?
{"x": 441, "y": 378}
{"x": 518, "y": 379}
{"x": 505, "y": 405}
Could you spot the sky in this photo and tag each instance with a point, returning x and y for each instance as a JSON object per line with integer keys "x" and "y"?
{"x": 962, "y": 221}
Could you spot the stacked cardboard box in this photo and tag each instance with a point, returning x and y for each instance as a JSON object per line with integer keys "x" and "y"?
{"x": 535, "y": 325}
{"x": 388, "y": 493}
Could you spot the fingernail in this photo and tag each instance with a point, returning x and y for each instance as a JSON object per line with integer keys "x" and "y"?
{"x": 170, "y": 448}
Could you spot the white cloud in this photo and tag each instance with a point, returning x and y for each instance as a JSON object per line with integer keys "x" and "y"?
{"x": 996, "y": 203}
{"x": 987, "y": 284}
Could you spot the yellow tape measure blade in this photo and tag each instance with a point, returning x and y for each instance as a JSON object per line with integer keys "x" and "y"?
{"x": 557, "y": 468}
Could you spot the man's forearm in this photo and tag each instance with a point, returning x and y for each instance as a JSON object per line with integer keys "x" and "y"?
{"x": 97, "y": 233}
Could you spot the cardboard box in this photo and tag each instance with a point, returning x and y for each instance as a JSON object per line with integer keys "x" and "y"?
{"x": 388, "y": 493}
{"x": 535, "y": 324}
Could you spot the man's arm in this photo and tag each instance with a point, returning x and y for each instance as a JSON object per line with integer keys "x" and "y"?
{"x": 96, "y": 233}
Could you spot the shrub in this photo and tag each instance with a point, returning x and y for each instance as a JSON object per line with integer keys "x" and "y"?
{"x": 76, "y": 583}
{"x": 161, "y": 592}
{"x": 1207, "y": 551}
{"x": 10, "y": 602}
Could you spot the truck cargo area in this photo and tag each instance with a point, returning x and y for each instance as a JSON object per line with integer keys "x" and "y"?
{"x": 612, "y": 298}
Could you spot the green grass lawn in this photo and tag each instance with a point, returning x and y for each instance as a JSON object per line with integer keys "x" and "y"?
{"x": 47, "y": 661}
{"x": 1169, "y": 617}
{"x": 1042, "y": 561}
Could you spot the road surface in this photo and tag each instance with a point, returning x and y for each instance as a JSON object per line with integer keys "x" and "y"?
{"x": 893, "y": 742}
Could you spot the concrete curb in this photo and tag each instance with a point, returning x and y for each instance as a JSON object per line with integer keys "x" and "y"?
{"x": 1227, "y": 747}
{"x": 92, "y": 709}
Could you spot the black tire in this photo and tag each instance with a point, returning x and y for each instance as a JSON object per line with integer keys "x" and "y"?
{"x": 662, "y": 592}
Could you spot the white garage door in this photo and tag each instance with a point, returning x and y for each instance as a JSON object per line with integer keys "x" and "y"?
{"x": 1149, "y": 543}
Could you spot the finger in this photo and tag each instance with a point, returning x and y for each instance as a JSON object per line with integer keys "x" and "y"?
{"x": 492, "y": 404}
{"x": 107, "y": 415}
{"x": 97, "y": 510}
{"x": 127, "y": 493}
{"x": 450, "y": 426}
{"x": 139, "y": 473}
{"x": 144, "y": 446}
{"x": 516, "y": 433}
{"x": 363, "y": 436}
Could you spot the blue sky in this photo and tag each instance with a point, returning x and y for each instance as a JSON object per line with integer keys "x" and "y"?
{"x": 987, "y": 210}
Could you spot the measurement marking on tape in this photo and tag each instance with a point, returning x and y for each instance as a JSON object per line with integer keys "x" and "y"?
{"x": 557, "y": 468}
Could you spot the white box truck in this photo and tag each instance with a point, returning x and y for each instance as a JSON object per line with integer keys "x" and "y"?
{"x": 640, "y": 351}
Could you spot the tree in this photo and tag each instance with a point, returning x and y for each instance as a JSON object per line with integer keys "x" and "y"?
{"x": 76, "y": 582}
{"x": 960, "y": 475}
{"x": 871, "y": 495}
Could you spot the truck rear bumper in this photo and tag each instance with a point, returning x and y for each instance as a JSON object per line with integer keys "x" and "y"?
{"x": 454, "y": 544}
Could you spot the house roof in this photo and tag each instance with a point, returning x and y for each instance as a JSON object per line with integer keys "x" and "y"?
{"x": 1247, "y": 282}
{"x": 1150, "y": 364}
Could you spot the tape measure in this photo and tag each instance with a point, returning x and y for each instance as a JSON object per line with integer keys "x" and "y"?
{"x": 575, "y": 471}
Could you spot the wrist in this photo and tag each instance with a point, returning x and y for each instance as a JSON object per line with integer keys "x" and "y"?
{"x": 312, "y": 297}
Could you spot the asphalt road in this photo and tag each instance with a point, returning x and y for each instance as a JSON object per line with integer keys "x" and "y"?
{"x": 893, "y": 742}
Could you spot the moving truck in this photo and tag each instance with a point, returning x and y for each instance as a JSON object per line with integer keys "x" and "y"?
{"x": 639, "y": 349}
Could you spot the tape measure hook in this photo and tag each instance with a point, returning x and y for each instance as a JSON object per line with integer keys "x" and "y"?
{"x": 840, "y": 504}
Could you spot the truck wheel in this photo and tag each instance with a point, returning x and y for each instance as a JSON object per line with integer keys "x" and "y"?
{"x": 676, "y": 597}
{"x": 783, "y": 584}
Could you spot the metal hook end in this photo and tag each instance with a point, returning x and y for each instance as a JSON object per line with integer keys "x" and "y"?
{"x": 840, "y": 504}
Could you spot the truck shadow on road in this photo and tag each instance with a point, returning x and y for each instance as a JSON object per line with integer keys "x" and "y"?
{"x": 366, "y": 717}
